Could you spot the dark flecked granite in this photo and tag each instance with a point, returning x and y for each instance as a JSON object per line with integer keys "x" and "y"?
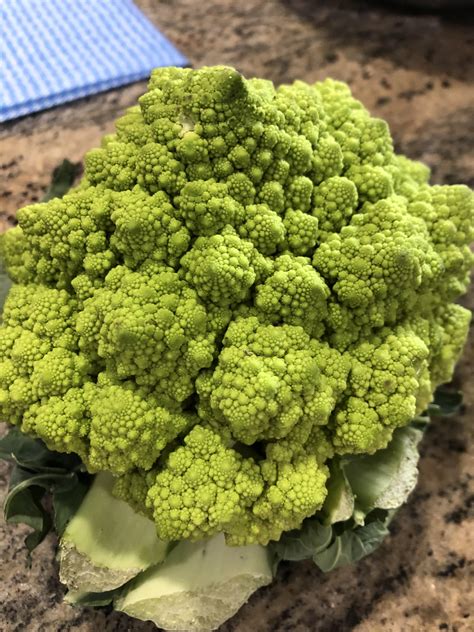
{"x": 417, "y": 71}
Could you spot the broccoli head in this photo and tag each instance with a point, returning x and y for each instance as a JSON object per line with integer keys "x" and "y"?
{"x": 247, "y": 282}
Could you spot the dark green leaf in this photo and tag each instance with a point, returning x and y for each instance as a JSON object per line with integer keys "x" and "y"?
{"x": 25, "y": 507}
{"x": 91, "y": 599}
{"x": 302, "y": 544}
{"x": 420, "y": 422}
{"x": 329, "y": 547}
{"x": 66, "y": 503}
{"x": 19, "y": 448}
{"x": 32, "y": 454}
{"x": 446, "y": 402}
{"x": 62, "y": 179}
{"x": 351, "y": 546}
{"x": 21, "y": 479}
{"x": 39, "y": 471}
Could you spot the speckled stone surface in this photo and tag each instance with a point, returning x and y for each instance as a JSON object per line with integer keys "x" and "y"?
{"x": 417, "y": 71}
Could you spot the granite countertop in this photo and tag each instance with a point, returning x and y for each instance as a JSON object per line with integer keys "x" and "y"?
{"x": 417, "y": 71}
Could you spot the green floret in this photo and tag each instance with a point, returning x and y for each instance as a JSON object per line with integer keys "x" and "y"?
{"x": 14, "y": 250}
{"x": 448, "y": 212}
{"x": 113, "y": 165}
{"x": 192, "y": 149}
{"x": 62, "y": 422}
{"x": 452, "y": 323}
{"x": 363, "y": 139}
{"x": 57, "y": 240}
{"x": 147, "y": 227}
{"x": 202, "y": 489}
{"x": 267, "y": 379}
{"x": 262, "y": 227}
{"x": 272, "y": 194}
{"x": 16, "y": 393}
{"x": 131, "y": 127}
{"x": 277, "y": 171}
{"x": 47, "y": 312}
{"x": 58, "y": 371}
{"x": 132, "y": 487}
{"x": 407, "y": 175}
{"x": 304, "y": 304}
{"x": 376, "y": 146}
{"x": 223, "y": 268}
{"x": 294, "y": 490}
{"x": 327, "y": 160}
{"x": 301, "y": 231}
{"x": 206, "y": 207}
{"x": 27, "y": 348}
{"x": 129, "y": 429}
{"x": 301, "y": 108}
{"x": 334, "y": 202}
{"x": 381, "y": 258}
{"x": 44, "y": 374}
{"x": 241, "y": 189}
{"x": 373, "y": 183}
{"x": 158, "y": 170}
{"x": 298, "y": 193}
{"x": 39, "y": 348}
{"x": 148, "y": 325}
{"x": 384, "y": 382}
{"x": 299, "y": 156}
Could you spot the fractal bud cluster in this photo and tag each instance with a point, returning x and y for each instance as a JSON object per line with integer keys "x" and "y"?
{"x": 246, "y": 283}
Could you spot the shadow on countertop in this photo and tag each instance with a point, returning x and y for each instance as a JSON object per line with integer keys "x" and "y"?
{"x": 431, "y": 138}
{"x": 436, "y": 43}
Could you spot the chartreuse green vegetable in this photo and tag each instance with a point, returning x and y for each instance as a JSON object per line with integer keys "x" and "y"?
{"x": 200, "y": 585}
{"x": 247, "y": 289}
{"x": 363, "y": 493}
{"x": 196, "y": 585}
{"x": 106, "y": 543}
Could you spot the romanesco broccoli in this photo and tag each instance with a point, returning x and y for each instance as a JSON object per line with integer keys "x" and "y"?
{"x": 246, "y": 282}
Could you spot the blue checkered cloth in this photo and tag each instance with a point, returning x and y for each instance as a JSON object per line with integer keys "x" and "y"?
{"x": 53, "y": 51}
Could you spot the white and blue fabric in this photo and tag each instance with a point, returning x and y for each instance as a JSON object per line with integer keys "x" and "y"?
{"x": 53, "y": 51}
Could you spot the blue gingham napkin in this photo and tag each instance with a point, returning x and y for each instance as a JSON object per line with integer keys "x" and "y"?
{"x": 53, "y": 51}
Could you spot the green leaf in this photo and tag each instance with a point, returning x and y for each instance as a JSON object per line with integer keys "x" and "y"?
{"x": 33, "y": 454}
{"x": 21, "y": 480}
{"x": 15, "y": 447}
{"x": 329, "y": 549}
{"x": 339, "y": 503}
{"x": 37, "y": 472}
{"x": 62, "y": 179}
{"x": 304, "y": 543}
{"x": 23, "y": 505}
{"x": 198, "y": 586}
{"x": 385, "y": 479}
{"x": 351, "y": 546}
{"x": 446, "y": 402}
{"x": 66, "y": 502}
{"x": 421, "y": 422}
{"x": 92, "y": 599}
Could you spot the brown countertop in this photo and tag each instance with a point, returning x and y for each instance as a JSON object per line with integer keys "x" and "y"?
{"x": 417, "y": 71}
